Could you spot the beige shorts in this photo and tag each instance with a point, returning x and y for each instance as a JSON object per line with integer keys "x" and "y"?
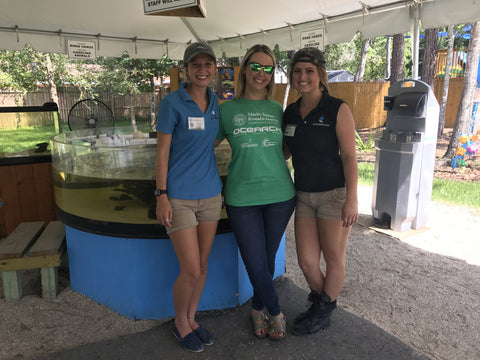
{"x": 188, "y": 213}
{"x": 323, "y": 205}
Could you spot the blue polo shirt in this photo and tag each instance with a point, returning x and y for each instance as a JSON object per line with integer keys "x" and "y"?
{"x": 192, "y": 167}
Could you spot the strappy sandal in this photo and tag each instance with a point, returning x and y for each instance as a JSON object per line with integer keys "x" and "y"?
{"x": 259, "y": 322}
{"x": 278, "y": 324}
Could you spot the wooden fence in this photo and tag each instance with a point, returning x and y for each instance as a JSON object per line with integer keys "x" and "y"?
{"x": 365, "y": 99}
{"x": 67, "y": 97}
{"x": 454, "y": 96}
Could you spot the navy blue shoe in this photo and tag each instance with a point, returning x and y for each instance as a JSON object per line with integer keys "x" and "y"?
{"x": 204, "y": 335}
{"x": 189, "y": 342}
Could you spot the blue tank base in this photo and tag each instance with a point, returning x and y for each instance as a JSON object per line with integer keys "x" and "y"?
{"x": 135, "y": 277}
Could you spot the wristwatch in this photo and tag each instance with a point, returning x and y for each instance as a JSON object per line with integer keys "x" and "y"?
{"x": 159, "y": 192}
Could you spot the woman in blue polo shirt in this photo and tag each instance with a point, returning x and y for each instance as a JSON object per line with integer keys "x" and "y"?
{"x": 189, "y": 186}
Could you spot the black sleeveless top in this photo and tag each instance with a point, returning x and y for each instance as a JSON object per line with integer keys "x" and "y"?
{"x": 314, "y": 146}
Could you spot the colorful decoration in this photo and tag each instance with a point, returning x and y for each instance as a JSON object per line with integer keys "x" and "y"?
{"x": 455, "y": 71}
{"x": 468, "y": 146}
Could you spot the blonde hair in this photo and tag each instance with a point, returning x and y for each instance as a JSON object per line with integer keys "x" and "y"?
{"x": 241, "y": 82}
{"x": 322, "y": 73}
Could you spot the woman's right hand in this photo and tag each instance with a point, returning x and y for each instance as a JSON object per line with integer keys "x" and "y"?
{"x": 164, "y": 211}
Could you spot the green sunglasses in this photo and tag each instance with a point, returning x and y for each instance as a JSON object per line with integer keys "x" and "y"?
{"x": 256, "y": 67}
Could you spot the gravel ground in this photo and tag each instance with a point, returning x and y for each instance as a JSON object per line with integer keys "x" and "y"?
{"x": 422, "y": 286}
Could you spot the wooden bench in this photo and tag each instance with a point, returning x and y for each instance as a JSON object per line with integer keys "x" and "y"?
{"x": 31, "y": 246}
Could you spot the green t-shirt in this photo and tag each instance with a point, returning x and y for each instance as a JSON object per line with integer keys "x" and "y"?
{"x": 257, "y": 173}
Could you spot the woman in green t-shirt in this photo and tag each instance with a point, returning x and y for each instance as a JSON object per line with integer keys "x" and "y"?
{"x": 259, "y": 192}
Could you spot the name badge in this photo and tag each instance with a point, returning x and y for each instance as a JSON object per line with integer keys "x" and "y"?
{"x": 196, "y": 123}
{"x": 290, "y": 129}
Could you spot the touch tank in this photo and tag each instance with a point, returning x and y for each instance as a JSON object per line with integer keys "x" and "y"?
{"x": 104, "y": 181}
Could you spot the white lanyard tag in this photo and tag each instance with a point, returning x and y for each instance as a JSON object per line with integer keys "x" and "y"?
{"x": 290, "y": 129}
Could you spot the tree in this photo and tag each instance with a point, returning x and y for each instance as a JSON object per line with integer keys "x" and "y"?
{"x": 398, "y": 51}
{"x": 51, "y": 79}
{"x": 446, "y": 80}
{"x": 27, "y": 70}
{"x": 376, "y": 59}
{"x": 228, "y": 61}
{"x": 346, "y": 56}
{"x": 430, "y": 56}
{"x": 23, "y": 71}
{"x": 460, "y": 41}
{"x": 388, "y": 48}
{"x": 363, "y": 59}
{"x": 469, "y": 86}
{"x": 282, "y": 58}
{"x": 127, "y": 75}
{"x": 342, "y": 56}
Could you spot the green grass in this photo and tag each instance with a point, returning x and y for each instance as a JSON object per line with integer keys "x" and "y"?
{"x": 457, "y": 192}
{"x": 366, "y": 173}
{"x": 24, "y": 138}
{"x": 143, "y": 124}
{"x": 448, "y": 191}
{"x": 27, "y": 137}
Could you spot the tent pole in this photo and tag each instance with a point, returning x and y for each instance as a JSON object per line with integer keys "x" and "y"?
{"x": 191, "y": 29}
{"x": 415, "y": 37}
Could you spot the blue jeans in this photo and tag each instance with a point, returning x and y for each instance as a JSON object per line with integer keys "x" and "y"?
{"x": 259, "y": 230}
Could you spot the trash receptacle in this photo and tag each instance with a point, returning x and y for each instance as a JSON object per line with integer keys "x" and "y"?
{"x": 405, "y": 156}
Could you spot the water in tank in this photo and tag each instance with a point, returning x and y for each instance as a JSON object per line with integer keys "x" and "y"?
{"x": 106, "y": 176}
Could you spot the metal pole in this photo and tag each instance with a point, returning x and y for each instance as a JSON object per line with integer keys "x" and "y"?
{"x": 415, "y": 37}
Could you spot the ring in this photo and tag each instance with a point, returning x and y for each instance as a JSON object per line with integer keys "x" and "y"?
{"x": 166, "y": 220}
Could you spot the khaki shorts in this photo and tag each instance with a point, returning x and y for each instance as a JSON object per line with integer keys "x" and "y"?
{"x": 323, "y": 205}
{"x": 188, "y": 213}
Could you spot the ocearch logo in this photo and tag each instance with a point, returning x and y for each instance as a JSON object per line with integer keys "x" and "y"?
{"x": 257, "y": 129}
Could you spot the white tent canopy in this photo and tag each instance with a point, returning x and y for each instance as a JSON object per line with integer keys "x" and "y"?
{"x": 229, "y": 26}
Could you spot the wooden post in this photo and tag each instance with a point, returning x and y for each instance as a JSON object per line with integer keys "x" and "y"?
{"x": 49, "y": 279}
{"x": 12, "y": 285}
